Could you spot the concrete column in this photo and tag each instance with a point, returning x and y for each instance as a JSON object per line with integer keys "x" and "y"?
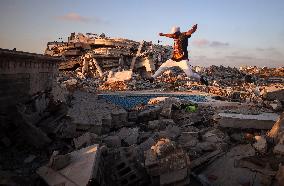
{"x": 99, "y": 69}
{"x": 85, "y": 68}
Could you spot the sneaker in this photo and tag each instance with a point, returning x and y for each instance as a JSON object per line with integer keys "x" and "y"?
{"x": 203, "y": 80}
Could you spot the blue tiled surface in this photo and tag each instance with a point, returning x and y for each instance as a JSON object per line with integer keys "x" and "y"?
{"x": 131, "y": 101}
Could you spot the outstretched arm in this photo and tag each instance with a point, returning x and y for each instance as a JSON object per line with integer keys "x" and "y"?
{"x": 166, "y": 35}
{"x": 192, "y": 30}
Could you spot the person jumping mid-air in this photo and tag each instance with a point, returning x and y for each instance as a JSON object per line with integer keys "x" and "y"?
{"x": 180, "y": 55}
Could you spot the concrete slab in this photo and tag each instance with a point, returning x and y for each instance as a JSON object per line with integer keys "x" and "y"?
{"x": 79, "y": 172}
{"x": 260, "y": 121}
{"x": 121, "y": 76}
{"x": 225, "y": 172}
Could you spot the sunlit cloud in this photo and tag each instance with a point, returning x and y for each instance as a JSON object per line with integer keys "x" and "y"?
{"x": 239, "y": 57}
{"x": 218, "y": 44}
{"x": 73, "y": 17}
{"x": 205, "y": 42}
{"x": 200, "y": 42}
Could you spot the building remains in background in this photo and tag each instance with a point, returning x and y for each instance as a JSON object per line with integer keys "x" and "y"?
{"x": 95, "y": 55}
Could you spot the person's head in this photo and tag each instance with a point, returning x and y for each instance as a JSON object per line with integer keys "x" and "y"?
{"x": 175, "y": 30}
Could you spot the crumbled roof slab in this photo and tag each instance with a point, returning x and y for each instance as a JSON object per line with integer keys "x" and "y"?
{"x": 244, "y": 121}
{"x": 78, "y": 172}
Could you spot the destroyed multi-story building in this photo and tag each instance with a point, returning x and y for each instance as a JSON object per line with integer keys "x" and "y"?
{"x": 94, "y": 55}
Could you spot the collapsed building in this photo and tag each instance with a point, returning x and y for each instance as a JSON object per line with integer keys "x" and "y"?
{"x": 94, "y": 55}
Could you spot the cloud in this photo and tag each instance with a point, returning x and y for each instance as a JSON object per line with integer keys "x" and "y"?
{"x": 218, "y": 44}
{"x": 266, "y": 49}
{"x": 237, "y": 57}
{"x": 201, "y": 42}
{"x": 73, "y": 17}
{"x": 205, "y": 42}
{"x": 270, "y": 52}
{"x": 236, "y": 61}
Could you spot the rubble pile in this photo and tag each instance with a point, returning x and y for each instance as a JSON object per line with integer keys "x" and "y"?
{"x": 265, "y": 72}
{"x": 168, "y": 141}
{"x": 226, "y": 83}
{"x": 73, "y": 135}
{"x": 99, "y": 63}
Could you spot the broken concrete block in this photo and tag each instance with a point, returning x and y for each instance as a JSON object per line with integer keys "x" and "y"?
{"x": 59, "y": 93}
{"x": 276, "y": 105}
{"x": 95, "y": 115}
{"x": 112, "y": 141}
{"x": 149, "y": 114}
{"x": 160, "y": 124}
{"x": 119, "y": 118}
{"x": 84, "y": 169}
{"x": 127, "y": 167}
{"x": 163, "y": 147}
{"x": 279, "y": 149}
{"x": 121, "y": 76}
{"x": 172, "y": 132}
{"x": 225, "y": 171}
{"x": 165, "y": 157}
{"x": 58, "y": 162}
{"x": 166, "y": 112}
{"x": 261, "y": 144}
{"x": 86, "y": 139}
{"x": 205, "y": 158}
{"x": 188, "y": 140}
{"x": 273, "y": 95}
{"x": 106, "y": 123}
{"x": 177, "y": 177}
{"x": 84, "y": 111}
{"x": 132, "y": 116}
{"x": 129, "y": 135}
{"x": 167, "y": 106}
{"x": 261, "y": 121}
{"x": 146, "y": 145}
{"x": 277, "y": 129}
{"x": 155, "y": 124}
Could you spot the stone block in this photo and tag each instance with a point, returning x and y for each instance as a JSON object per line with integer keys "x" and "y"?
{"x": 58, "y": 162}
{"x": 83, "y": 169}
{"x": 261, "y": 121}
{"x": 86, "y": 139}
{"x": 279, "y": 149}
{"x": 275, "y": 95}
{"x": 112, "y": 141}
{"x": 146, "y": 145}
{"x": 261, "y": 144}
{"x": 160, "y": 124}
{"x": 129, "y": 135}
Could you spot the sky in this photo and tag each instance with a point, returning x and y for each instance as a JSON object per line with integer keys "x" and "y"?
{"x": 230, "y": 32}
